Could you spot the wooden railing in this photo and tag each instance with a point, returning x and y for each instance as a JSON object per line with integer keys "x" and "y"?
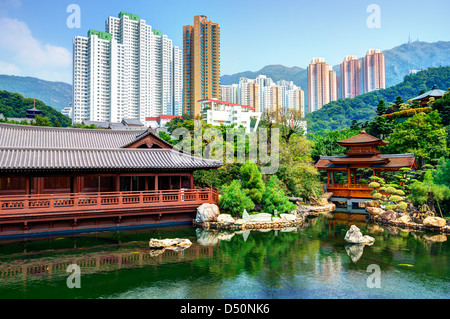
{"x": 92, "y": 201}
{"x": 362, "y": 186}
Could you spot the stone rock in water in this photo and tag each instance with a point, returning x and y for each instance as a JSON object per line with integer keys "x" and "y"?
{"x": 375, "y": 211}
{"x": 207, "y": 213}
{"x": 164, "y": 243}
{"x": 405, "y": 219}
{"x": 288, "y": 217}
{"x": 225, "y": 219}
{"x": 261, "y": 218}
{"x": 354, "y": 236}
{"x": 432, "y": 221}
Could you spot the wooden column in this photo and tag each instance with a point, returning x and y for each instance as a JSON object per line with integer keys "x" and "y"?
{"x": 117, "y": 183}
{"x": 332, "y": 178}
{"x": 192, "y": 180}
{"x": 28, "y": 185}
{"x": 156, "y": 182}
{"x": 354, "y": 176}
{"x": 349, "y": 177}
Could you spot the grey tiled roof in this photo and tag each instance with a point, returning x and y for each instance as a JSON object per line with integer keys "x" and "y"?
{"x": 105, "y": 159}
{"x": 25, "y": 148}
{"x": 51, "y": 137}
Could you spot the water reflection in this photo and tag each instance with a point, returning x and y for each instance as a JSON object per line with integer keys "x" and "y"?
{"x": 355, "y": 251}
{"x": 308, "y": 262}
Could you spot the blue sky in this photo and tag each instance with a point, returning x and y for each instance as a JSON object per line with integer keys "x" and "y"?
{"x": 35, "y": 40}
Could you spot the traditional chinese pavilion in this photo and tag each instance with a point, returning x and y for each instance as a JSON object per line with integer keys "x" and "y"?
{"x": 362, "y": 153}
{"x": 425, "y": 97}
{"x": 59, "y": 179}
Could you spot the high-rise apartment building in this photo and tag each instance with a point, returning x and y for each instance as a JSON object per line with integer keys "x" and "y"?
{"x": 229, "y": 93}
{"x": 129, "y": 71}
{"x": 201, "y": 63}
{"x": 374, "y": 71}
{"x": 350, "y": 77}
{"x": 248, "y": 93}
{"x": 265, "y": 95}
{"x": 323, "y": 84}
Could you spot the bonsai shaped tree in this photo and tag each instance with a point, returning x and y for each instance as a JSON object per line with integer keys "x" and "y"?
{"x": 389, "y": 196}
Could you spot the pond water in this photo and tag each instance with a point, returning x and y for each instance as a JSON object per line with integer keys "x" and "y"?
{"x": 310, "y": 262}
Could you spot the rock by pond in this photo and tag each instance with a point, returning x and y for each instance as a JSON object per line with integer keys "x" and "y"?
{"x": 354, "y": 236}
{"x": 207, "y": 213}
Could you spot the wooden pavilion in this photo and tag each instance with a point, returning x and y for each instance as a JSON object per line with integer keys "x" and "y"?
{"x": 362, "y": 153}
{"x": 59, "y": 179}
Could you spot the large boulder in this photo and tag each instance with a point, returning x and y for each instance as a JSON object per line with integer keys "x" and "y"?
{"x": 225, "y": 219}
{"x": 389, "y": 215}
{"x": 375, "y": 211}
{"x": 432, "y": 221}
{"x": 207, "y": 213}
{"x": 261, "y": 218}
{"x": 165, "y": 243}
{"x": 405, "y": 219}
{"x": 354, "y": 236}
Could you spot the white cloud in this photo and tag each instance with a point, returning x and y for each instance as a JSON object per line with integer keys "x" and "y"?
{"x": 9, "y": 68}
{"x": 32, "y": 56}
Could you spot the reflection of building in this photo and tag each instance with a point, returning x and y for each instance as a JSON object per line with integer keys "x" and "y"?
{"x": 108, "y": 258}
{"x": 434, "y": 93}
{"x": 201, "y": 63}
{"x": 72, "y": 179}
{"x": 220, "y": 112}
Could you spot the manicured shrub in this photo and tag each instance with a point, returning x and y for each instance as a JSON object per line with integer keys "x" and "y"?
{"x": 234, "y": 199}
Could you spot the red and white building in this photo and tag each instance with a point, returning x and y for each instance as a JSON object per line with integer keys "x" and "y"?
{"x": 220, "y": 112}
{"x": 160, "y": 121}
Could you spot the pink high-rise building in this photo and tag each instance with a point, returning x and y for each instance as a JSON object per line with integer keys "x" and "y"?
{"x": 350, "y": 77}
{"x": 322, "y": 84}
{"x": 374, "y": 71}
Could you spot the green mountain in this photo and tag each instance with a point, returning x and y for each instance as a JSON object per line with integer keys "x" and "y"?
{"x": 15, "y": 105}
{"x": 339, "y": 114}
{"x": 399, "y": 61}
{"x": 55, "y": 94}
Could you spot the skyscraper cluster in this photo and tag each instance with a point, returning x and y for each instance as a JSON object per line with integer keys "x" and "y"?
{"x": 129, "y": 71}
{"x": 324, "y": 86}
{"x": 264, "y": 94}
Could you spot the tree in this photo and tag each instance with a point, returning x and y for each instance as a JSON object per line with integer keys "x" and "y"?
{"x": 380, "y": 127}
{"x": 381, "y": 108}
{"x": 442, "y": 105}
{"x": 423, "y": 135}
{"x": 234, "y": 199}
{"x": 296, "y": 168}
{"x": 275, "y": 198}
{"x": 252, "y": 182}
